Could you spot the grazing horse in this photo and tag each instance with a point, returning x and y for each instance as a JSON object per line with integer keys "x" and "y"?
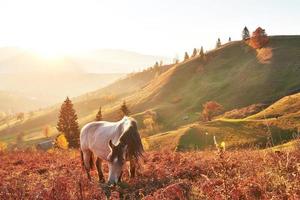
{"x": 115, "y": 142}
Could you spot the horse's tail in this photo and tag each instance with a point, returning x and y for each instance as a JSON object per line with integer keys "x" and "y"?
{"x": 91, "y": 160}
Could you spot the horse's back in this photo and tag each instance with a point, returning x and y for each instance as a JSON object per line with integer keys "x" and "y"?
{"x": 95, "y": 136}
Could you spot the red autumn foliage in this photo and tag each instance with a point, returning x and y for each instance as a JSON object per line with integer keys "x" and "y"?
{"x": 259, "y": 38}
{"x": 244, "y": 174}
{"x": 210, "y": 109}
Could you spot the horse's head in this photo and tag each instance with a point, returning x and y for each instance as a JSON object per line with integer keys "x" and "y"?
{"x": 116, "y": 160}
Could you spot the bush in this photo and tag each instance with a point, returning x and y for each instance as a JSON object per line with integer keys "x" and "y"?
{"x": 210, "y": 109}
{"x": 3, "y": 146}
{"x": 61, "y": 142}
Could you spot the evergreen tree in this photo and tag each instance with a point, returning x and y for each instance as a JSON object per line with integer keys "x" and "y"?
{"x": 186, "y": 56}
{"x": 99, "y": 115}
{"x": 218, "y": 44}
{"x": 67, "y": 123}
{"x": 194, "y": 52}
{"x": 229, "y": 39}
{"x": 201, "y": 52}
{"x": 245, "y": 33}
{"x": 125, "y": 109}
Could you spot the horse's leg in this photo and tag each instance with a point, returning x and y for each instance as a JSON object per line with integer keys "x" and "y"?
{"x": 120, "y": 177}
{"x": 132, "y": 168}
{"x": 87, "y": 160}
{"x": 99, "y": 169}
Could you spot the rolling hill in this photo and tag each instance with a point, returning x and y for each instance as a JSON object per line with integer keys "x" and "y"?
{"x": 48, "y": 80}
{"x": 45, "y": 89}
{"x": 11, "y": 102}
{"x": 235, "y": 75}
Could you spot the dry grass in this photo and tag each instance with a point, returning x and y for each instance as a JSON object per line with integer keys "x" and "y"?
{"x": 162, "y": 175}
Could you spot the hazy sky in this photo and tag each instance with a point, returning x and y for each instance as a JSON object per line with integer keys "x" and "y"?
{"x": 157, "y": 27}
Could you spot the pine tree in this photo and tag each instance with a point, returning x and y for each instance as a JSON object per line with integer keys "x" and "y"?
{"x": 218, "y": 44}
{"x": 229, "y": 39}
{"x": 99, "y": 115}
{"x": 194, "y": 52}
{"x": 245, "y": 33}
{"x": 201, "y": 52}
{"x": 186, "y": 56}
{"x": 124, "y": 109}
{"x": 67, "y": 123}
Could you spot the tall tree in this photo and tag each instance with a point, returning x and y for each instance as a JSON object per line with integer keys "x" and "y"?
{"x": 201, "y": 52}
{"x": 186, "y": 56}
{"x": 245, "y": 33}
{"x": 259, "y": 38}
{"x": 218, "y": 44}
{"x": 124, "y": 109}
{"x": 194, "y": 52}
{"x": 67, "y": 123}
{"x": 99, "y": 115}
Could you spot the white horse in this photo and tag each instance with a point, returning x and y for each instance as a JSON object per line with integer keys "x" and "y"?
{"x": 115, "y": 142}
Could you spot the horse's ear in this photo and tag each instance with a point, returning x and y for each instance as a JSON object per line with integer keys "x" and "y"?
{"x": 111, "y": 145}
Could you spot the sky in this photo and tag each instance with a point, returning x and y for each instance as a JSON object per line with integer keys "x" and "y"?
{"x": 154, "y": 27}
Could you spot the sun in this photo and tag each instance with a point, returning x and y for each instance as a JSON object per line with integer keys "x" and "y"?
{"x": 50, "y": 51}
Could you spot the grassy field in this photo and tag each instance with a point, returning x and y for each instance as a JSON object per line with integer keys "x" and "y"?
{"x": 250, "y": 174}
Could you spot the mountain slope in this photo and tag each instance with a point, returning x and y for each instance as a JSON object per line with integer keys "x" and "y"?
{"x": 234, "y": 75}
{"x": 12, "y": 102}
{"x": 46, "y": 89}
{"x": 281, "y": 121}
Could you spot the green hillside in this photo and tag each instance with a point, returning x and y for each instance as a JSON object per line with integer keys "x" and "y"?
{"x": 232, "y": 76}
{"x": 235, "y": 75}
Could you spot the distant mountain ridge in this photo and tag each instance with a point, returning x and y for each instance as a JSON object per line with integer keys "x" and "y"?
{"x": 50, "y": 80}
{"x": 16, "y": 60}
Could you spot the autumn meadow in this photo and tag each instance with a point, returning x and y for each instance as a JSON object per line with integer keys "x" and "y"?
{"x": 138, "y": 100}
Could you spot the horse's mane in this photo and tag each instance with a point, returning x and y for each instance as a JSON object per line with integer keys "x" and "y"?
{"x": 131, "y": 137}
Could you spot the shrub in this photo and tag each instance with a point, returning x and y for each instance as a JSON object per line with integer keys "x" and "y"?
{"x": 61, "y": 142}
{"x": 3, "y": 146}
{"x": 210, "y": 109}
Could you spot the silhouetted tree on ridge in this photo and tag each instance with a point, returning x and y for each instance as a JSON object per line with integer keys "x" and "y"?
{"x": 186, "y": 56}
{"x": 218, "y": 44}
{"x": 99, "y": 115}
{"x": 194, "y": 52}
{"x": 245, "y": 33}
